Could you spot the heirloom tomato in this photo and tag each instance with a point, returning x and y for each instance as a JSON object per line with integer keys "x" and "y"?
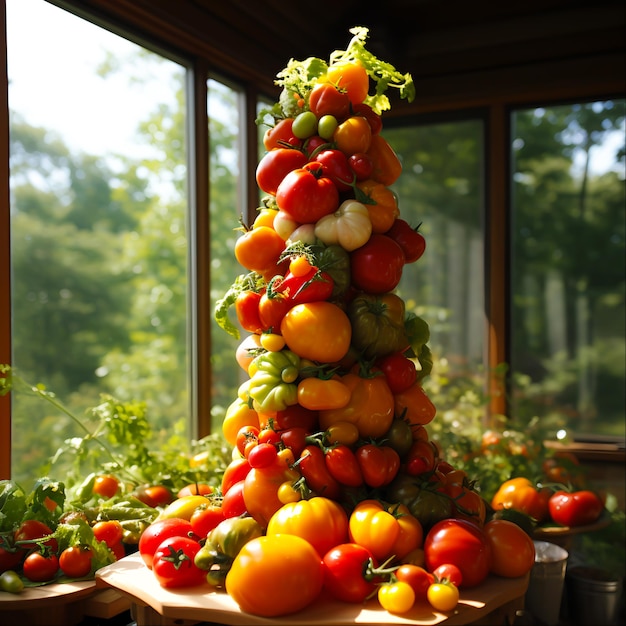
{"x": 40, "y": 567}
{"x": 512, "y": 550}
{"x": 159, "y": 531}
{"x": 387, "y": 166}
{"x": 370, "y": 407}
{"x": 318, "y": 331}
{"x": 351, "y": 78}
{"x": 577, "y": 508}
{"x": 323, "y": 393}
{"x": 409, "y": 239}
{"x": 461, "y": 543}
{"x": 75, "y": 561}
{"x": 247, "y": 350}
{"x": 328, "y": 99}
{"x": 349, "y": 226}
{"x": 353, "y": 135}
{"x": 385, "y": 530}
{"x": 377, "y": 324}
{"x": 379, "y": 464}
{"x": 307, "y": 194}
{"x": 343, "y": 465}
{"x": 381, "y": 204}
{"x": 173, "y": 563}
{"x": 376, "y": 267}
{"x": 522, "y": 495}
{"x": 321, "y": 521}
{"x": 275, "y": 165}
{"x": 286, "y": 565}
{"x": 414, "y": 406}
{"x": 349, "y": 572}
{"x": 312, "y": 466}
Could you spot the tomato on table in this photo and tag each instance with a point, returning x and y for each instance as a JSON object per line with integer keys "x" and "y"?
{"x": 173, "y": 563}
{"x": 512, "y": 549}
{"x": 157, "y": 532}
{"x": 443, "y": 596}
{"x": 40, "y": 566}
{"x": 75, "y": 561}
{"x": 396, "y": 597}
{"x": 348, "y": 572}
{"x": 577, "y": 508}
{"x": 109, "y": 531}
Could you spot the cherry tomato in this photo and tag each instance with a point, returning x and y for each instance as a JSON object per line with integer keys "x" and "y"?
{"x": 399, "y": 371}
{"x": 361, "y": 165}
{"x": 195, "y": 489}
{"x": 443, "y": 596}
{"x": 155, "y": 495}
{"x": 204, "y": 519}
{"x": 416, "y": 576}
{"x": 262, "y": 455}
{"x": 106, "y": 485}
{"x": 448, "y": 572}
{"x": 75, "y": 561}
{"x": 39, "y": 567}
{"x": 109, "y": 531}
{"x": 397, "y": 597}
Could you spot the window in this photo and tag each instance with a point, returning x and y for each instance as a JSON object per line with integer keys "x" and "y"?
{"x": 568, "y": 350}
{"x": 99, "y": 226}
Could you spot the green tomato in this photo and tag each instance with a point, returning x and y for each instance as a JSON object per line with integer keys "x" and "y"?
{"x": 326, "y": 126}
{"x": 11, "y": 582}
{"x": 305, "y": 125}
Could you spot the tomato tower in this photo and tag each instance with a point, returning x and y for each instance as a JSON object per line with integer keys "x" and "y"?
{"x": 329, "y": 428}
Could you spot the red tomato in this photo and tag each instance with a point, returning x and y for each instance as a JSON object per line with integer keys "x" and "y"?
{"x": 512, "y": 550}
{"x": 376, "y": 267}
{"x": 307, "y": 194}
{"x": 247, "y": 311}
{"x": 379, "y": 464}
{"x": 327, "y": 99}
{"x": 109, "y": 531}
{"x": 361, "y": 165}
{"x": 10, "y": 559}
{"x": 275, "y": 165}
{"x": 399, "y": 371}
{"x": 75, "y": 561}
{"x": 174, "y": 566}
{"x": 155, "y": 495}
{"x": 40, "y": 568}
{"x": 416, "y": 576}
{"x": 448, "y": 572}
{"x": 236, "y": 471}
{"x": 461, "y": 543}
{"x": 233, "y": 503}
{"x": 280, "y": 135}
{"x": 373, "y": 119}
{"x": 204, "y": 519}
{"x": 106, "y": 485}
{"x": 337, "y": 168}
{"x": 577, "y": 508}
{"x": 157, "y": 532}
{"x": 29, "y": 531}
{"x": 346, "y": 572}
{"x": 273, "y": 306}
{"x": 411, "y": 241}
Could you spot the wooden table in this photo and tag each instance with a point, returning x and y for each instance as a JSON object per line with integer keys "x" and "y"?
{"x": 61, "y": 604}
{"x": 495, "y": 601}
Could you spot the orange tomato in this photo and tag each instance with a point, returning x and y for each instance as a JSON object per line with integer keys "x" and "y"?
{"x": 522, "y": 495}
{"x": 415, "y": 406}
{"x": 387, "y": 165}
{"x": 353, "y": 135}
{"x": 352, "y": 78}
{"x": 258, "y": 250}
{"x": 319, "y": 331}
{"x": 383, "y": 210}
{"x": 194, "y": 489}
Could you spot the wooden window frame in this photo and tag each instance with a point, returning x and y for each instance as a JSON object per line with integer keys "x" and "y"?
{"x": 149, "y": 23}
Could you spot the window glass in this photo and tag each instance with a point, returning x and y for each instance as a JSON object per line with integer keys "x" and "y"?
{"x": 98, "y": 227}
{"x": 226, "y": 209}
{"x": 568, "y": 258}
{"x": 441, "y": 191}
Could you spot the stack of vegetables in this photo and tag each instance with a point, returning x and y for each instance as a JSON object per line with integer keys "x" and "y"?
{"x": 334, "y": 487}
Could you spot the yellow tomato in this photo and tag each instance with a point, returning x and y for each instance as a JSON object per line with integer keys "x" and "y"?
{"x": 238, "y": 414}
{"x": 183, "y": 508}
{"x": 319, "y": 331}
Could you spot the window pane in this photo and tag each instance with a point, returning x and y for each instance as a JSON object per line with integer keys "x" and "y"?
{"x": 441, "y": 188}
{"x": 99, "y": 226}
{"x": 225, "y": 141}
{"x": 568, "y": 350}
